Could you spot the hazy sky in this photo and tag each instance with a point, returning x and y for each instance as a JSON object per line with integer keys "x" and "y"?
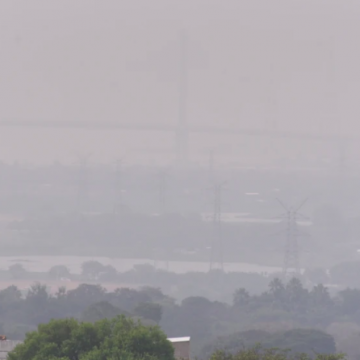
{"x": 252, "y": 63}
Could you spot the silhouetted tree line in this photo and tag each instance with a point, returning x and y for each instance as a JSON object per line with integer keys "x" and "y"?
{"x": 122, "y": 338}
{"x": 212, "y": 285}
{"x": 20, "y": 314}
{"x": 280, "y": 309}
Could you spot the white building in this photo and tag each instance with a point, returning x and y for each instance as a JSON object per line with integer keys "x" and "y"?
{"x": 182, "y": 347}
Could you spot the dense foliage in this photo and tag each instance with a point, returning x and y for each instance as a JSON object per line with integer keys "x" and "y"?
{"x": 120, "y": 338}
{"x": 259, "y": 353}
{"x": 304, "y": 341}
{"x": 283, "y": 308}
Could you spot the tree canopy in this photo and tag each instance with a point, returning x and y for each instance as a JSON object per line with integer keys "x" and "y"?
{"x": 304, "y": 341}
{"x": 119, "y": 338}
{"x": 259, "y": 353}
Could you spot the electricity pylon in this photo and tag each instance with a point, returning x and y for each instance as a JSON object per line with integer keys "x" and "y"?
{"x": 291, "y": 254}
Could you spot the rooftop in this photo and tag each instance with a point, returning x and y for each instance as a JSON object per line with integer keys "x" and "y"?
{"x": 179, "y": 339}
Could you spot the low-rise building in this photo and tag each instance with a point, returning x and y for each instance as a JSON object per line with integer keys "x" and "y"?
{"x": 182, "y": 347}
{"x": 6, "y": 346}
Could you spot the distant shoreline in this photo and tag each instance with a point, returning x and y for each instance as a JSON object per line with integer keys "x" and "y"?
{"x": 44, "y": 263}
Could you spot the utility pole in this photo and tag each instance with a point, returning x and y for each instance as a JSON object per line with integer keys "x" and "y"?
{"x": 162, "y": 188}
{"x": 118, "y": 203}
{"x": 83, "y": 184}
{"x": 291, "y": 254}
{"x": 15, "y": 181}
{"x": 216, "y": 256}
{"x": 211, "y": 166}
{"x": 161, "y": 254}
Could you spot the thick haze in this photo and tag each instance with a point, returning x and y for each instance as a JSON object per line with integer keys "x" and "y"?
{"x": 203, "y": 245}
{"x": 252, "y": 64}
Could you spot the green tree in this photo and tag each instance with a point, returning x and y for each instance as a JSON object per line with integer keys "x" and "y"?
{"x": 91, "y": 270}
{"x": 156, "y": 295}
{"x": 235, "y": 342}
{"x": 307, "y": 341}
{"x": 109, "y": 273}
{"x": 277, "y": 291}
{"x": 149, "y": 311}
{"x": 241, "y": 298}
{"x": 296, "y": 296}
{"x": 17, "y": 271}
{"x": 59, "y": 271}
{"x": 127, "y": 299}
{"x": 319, "y": 297}
{"x": 101, "y": 310}
{"x": 297, "y": 341}
{"x": 10, "y": 295}
{"x": 350, "y": 301}
{"x": 84, "y": 295}
{"x": 258, "y": 353}
{"x": 119, "y": 338}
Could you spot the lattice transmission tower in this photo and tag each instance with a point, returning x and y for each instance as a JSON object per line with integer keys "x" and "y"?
{"x": 291, "y": 265}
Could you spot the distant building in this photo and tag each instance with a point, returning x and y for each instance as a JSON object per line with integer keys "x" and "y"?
{"x": 6, "y": 346}
{"x": 182, "y": 347}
